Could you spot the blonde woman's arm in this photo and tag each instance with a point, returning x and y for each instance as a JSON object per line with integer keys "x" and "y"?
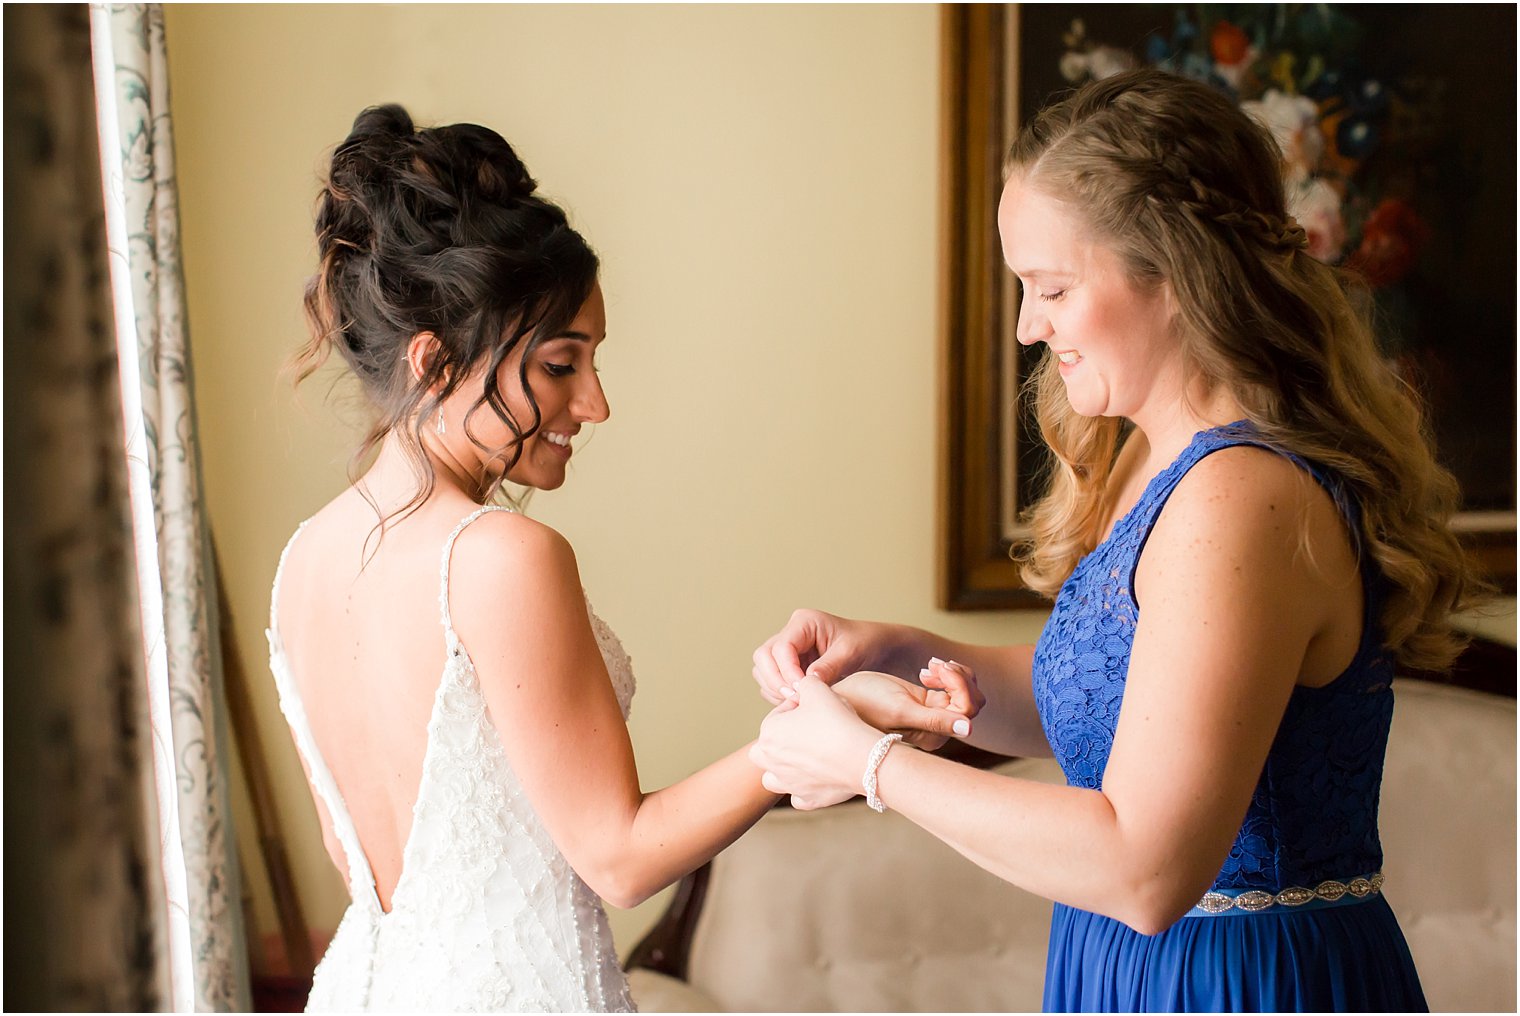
{"x": 1230, "y": 608}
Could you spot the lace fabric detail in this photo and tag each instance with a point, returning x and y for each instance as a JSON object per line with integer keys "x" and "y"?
{"x": 1313, "y": 813}
{"x": 487, "y": 914}
{"x": 615, "y": 657}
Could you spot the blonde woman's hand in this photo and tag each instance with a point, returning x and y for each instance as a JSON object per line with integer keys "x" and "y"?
{"x": 813, "y": 747}
{"x": 822, "y": 645}
{"x": 926, "y": 716}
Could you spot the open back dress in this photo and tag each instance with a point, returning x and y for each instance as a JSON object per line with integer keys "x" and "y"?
{"x": 487, "y": 914}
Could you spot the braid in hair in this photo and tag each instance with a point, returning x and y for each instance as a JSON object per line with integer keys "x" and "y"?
{"x": 1280, "y": 233}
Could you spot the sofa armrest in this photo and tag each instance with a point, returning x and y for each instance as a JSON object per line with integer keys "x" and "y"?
{"x": 655, "y": 992}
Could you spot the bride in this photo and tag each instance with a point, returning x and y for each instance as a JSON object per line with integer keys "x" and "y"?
{"x": 458, "y": 707}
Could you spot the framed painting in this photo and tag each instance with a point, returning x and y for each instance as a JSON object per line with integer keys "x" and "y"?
{"x": 1400, "y": 149}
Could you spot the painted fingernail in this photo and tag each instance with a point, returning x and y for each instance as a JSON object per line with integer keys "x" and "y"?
{"x": 788, "y": 691}
{"x": 962, "y": 727}
{"x": 936, "y": 660}
{"x": 925, "y": 673}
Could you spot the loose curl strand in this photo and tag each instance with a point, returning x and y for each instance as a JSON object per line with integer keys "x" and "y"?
{"x": 436, "y": 230}
{"x": 1188, "y": 191}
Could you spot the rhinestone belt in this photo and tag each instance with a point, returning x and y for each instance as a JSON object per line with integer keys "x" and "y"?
{"x": 1254, "y": 901}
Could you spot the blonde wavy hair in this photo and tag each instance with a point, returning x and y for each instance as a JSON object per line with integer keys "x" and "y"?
{"x": 1188, "y": 190}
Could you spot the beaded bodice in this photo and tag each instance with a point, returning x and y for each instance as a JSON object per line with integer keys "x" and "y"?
{"x": 1313, "y": 814}
{"x": 487, "y": 914}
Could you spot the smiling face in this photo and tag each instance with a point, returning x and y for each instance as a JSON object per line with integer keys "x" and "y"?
{"x": 1116, "y": 344}
{"x": 561, "y": 372}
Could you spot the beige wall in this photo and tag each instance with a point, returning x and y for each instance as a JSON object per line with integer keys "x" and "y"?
{"x": 761, "y": 184}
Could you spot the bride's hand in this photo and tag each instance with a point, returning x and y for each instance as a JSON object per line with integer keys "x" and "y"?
{"x": 813, "y": 747}
{"x": 926, "y": 716}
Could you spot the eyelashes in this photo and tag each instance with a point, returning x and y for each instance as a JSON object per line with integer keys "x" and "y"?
{"x": 565, "y": 369}
{"x": 1049, "y": 297}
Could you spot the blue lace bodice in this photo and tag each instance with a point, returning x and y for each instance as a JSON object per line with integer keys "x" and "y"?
{"x": 1313, "y": 815}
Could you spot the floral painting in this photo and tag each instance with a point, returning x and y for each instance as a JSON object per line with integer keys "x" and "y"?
{"x": 1397, "y": 129}
{"x": 1350, "y": 144}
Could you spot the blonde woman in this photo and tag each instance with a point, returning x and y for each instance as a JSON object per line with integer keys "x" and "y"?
{"x": 1244, "y": 533}
{"x": 458, "y": 706}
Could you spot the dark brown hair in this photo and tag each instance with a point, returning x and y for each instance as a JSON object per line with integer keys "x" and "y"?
{"x": 436, "y": 230}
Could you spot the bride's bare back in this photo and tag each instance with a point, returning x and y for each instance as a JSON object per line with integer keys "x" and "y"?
{"x": 366, "y": 649}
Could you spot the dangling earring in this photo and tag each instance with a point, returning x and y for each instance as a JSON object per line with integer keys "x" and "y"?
{"x": 440, "y": 422}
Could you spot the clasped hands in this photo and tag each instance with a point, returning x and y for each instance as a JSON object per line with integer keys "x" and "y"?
{"x": 815, "y": 742}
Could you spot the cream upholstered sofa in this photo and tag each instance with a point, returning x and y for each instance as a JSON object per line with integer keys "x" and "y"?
{"x": 847, "y": 910}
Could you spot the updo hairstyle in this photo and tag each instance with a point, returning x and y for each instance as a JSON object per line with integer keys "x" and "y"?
{"x": 436, "y": 230}
{"x": 1188, "y": 190}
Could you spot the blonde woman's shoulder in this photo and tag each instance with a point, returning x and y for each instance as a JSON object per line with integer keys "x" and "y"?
{"x": 1255, "y": 511}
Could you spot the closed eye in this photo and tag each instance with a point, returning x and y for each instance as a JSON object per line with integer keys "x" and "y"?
{"x": 1053, "y": 296}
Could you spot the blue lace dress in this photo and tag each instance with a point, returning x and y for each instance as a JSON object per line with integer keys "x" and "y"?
{"x": 1296, "y": 919}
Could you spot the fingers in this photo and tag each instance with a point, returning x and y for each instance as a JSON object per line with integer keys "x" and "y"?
{"x": 812, "y": 687}
{"x": 774, "y": 784}
{"x": 923, "y": 740}
{"x": 784, "y": 654}
{"x": 827, "y": 668}
{"x": 767, "y": 675}
{"x": 958, "y": 682}
{"x": 946, "y": 722}
{"x": 780, "y": 659}
{"x": 816, "y": 638}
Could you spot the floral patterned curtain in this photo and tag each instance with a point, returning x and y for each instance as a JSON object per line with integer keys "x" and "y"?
{"x": 175, "y": 583}
{"x": 84, "y": 900}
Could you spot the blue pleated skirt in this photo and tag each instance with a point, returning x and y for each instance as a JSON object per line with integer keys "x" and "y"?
{"x": 1337, "y": 959}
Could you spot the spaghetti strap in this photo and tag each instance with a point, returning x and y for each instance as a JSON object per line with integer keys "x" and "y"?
{"x": 443, "y": 579}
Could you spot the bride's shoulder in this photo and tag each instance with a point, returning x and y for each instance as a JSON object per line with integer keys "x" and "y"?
{"x": 506, "y": 534}
{"x": 514, "y": 583}
{"x": 509, "y": 548}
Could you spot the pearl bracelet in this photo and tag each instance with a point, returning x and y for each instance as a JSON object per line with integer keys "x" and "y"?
{"x": 873, "y": 763}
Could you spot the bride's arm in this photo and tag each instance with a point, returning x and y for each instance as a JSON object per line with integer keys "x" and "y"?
{"x": 518, "y": 607}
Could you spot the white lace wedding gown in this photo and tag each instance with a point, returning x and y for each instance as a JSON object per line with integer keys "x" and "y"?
{"x": 487, "y": 914}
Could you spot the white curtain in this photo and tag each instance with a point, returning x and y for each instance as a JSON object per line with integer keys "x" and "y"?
{"x": 176, "y": 587}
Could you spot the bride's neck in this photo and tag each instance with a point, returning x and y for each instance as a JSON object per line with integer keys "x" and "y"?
{"x": 392, "y": 481}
